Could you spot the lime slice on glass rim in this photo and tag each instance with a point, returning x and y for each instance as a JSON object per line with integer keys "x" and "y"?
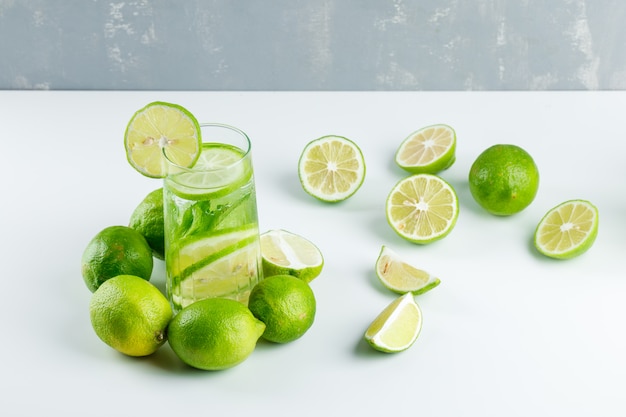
{"x": 331, "y": 168}
{"x": 401, "y": 277}
{"x": 160, "y": 127}
{"x": 397, "y": 327}
{"x": 567, "y": 230}
{"x": 286, "y": 253}
{"x": 220, "y": 169}
{"x": 422, "y": 208}
{"x": 428, "y": 150}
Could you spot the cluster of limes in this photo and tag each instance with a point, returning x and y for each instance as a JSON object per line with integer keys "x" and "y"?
{"x": 134, "y": 317}
{"x": 423, "y": 208}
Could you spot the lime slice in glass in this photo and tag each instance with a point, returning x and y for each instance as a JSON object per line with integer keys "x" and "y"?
{"x": 286, "y": 253}
{"x": 229, "y": 275}
{"x": 401, "y": 277}
{"x": 197, "y": 252}
{"x": 397, "y": 327}
{"x": 428, "y": 150}
{"x": 567, "y": 230}
{"x": 422, "y": 208}
{"x": 331, "y": 168}
{"x": 157, "y": 127}
{"x": 219, "y": 170}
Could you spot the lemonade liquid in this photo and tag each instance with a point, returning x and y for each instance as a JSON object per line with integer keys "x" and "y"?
{"x": 212, "y": 244}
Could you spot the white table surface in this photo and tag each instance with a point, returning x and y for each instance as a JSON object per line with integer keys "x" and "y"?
{"x": 507, "y": 333}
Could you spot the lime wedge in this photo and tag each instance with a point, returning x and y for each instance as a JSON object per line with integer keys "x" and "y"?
{"x": 157, "y": 128}
{"x": 286, "y": 253}
{"x": 428, "y": 150}
{"x": 401, "y": 277}
{"x": 331, "y": 168}
{"x": 422, "y": 208}
{"x": 397, "y": 327}
{"x": 567, "y": 230}
{"x": 219, "y": 170}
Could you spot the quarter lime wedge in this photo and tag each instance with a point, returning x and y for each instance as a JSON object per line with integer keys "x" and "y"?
{"x": 161, "y": 128}
{"x": 397, "y": 327}
{"x": 401, "y": 277}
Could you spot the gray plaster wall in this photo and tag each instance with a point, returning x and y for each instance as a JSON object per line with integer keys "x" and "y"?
{"x": 313, "y": 44}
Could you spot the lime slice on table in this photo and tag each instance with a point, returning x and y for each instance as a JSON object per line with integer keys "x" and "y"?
{"x": 422, "y": 208}
{"x": 331, "y": 168}
{"x": 428, "y": 150}
{"x": 286, "y": 253}
{"x": 160, "y": 127}
{"x": 397, "y": 327}
{"x": 219, "y": 170}
{"x": 401, "y": 277}
{"x": 567, "y": 230}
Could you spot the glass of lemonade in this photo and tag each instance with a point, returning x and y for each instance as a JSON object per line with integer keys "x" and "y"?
{"x": 212, "y": 244}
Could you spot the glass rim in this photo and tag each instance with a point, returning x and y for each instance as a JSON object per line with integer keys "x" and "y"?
{"x": 239, "y": 132}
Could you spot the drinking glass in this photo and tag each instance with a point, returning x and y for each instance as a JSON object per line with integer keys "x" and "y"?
{"x": 212, "y": 246}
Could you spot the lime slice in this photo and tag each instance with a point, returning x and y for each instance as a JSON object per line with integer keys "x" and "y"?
{"x": 160, "y": 127}
{"x": 401, "y": 277}
{"x": 286, "y": 253}
{"x": 428, "y": 150}
{"x": 229, "y": 276}
{"x": 230, "y": 272}
{"x": 397, "y": 327}
{"x": 567, "y": 230}
{"x": 331, "y": 168}
{"x": 219, "y": 170}
{"x": 422, "y": 208}
{"x": 195, "y": 253}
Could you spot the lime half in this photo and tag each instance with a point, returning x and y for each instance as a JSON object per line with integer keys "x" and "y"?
{"x": 567, "y": 230}
{"x": 422, "y": 208}
{"x": 157, "y": 128}
{"x": 397, "y": 327}
{"x": 428, "y": 150}
{"x": 401, "y": 277}
{"x": 331, "y": 168}
{"x": 286, "y": 253}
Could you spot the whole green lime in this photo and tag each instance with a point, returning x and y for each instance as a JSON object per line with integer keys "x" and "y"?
{"x": 214, "y": 333}
{"x": 116, "y": 250}
{"x": 130, "y": 314}
{"x": 147, "y": 219}
{"x": 286, "y": 304}
{"x": 504, "y": 179}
